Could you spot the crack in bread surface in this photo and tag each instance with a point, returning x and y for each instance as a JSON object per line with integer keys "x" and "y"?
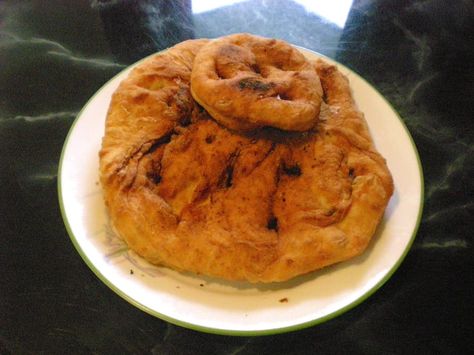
{"x": 308, "y": 179}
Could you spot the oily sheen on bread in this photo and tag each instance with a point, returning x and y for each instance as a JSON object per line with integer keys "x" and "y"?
{"x": 263, "y": 205}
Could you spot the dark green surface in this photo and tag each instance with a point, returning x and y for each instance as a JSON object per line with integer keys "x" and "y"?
{"x": 54, "y": 55}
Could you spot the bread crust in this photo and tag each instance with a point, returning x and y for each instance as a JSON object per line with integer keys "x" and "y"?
{"x": 246, "y": 82}
{"x": 188, "y": 193}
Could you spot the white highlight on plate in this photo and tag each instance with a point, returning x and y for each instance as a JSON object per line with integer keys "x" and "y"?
{"x": 237, "y": 307}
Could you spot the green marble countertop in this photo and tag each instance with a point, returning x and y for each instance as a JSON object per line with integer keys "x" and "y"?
{"x": 54, "y": 55}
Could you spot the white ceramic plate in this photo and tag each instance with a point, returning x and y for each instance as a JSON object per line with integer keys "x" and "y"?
{"x": 215, "y": 306}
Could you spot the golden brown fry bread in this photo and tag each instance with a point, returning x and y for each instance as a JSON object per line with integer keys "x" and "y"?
{"x": 246, "y": 82}
{"x": 186, "y": 192}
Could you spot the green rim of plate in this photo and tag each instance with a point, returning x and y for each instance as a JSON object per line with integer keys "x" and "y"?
{"x": 221, "y": 331}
